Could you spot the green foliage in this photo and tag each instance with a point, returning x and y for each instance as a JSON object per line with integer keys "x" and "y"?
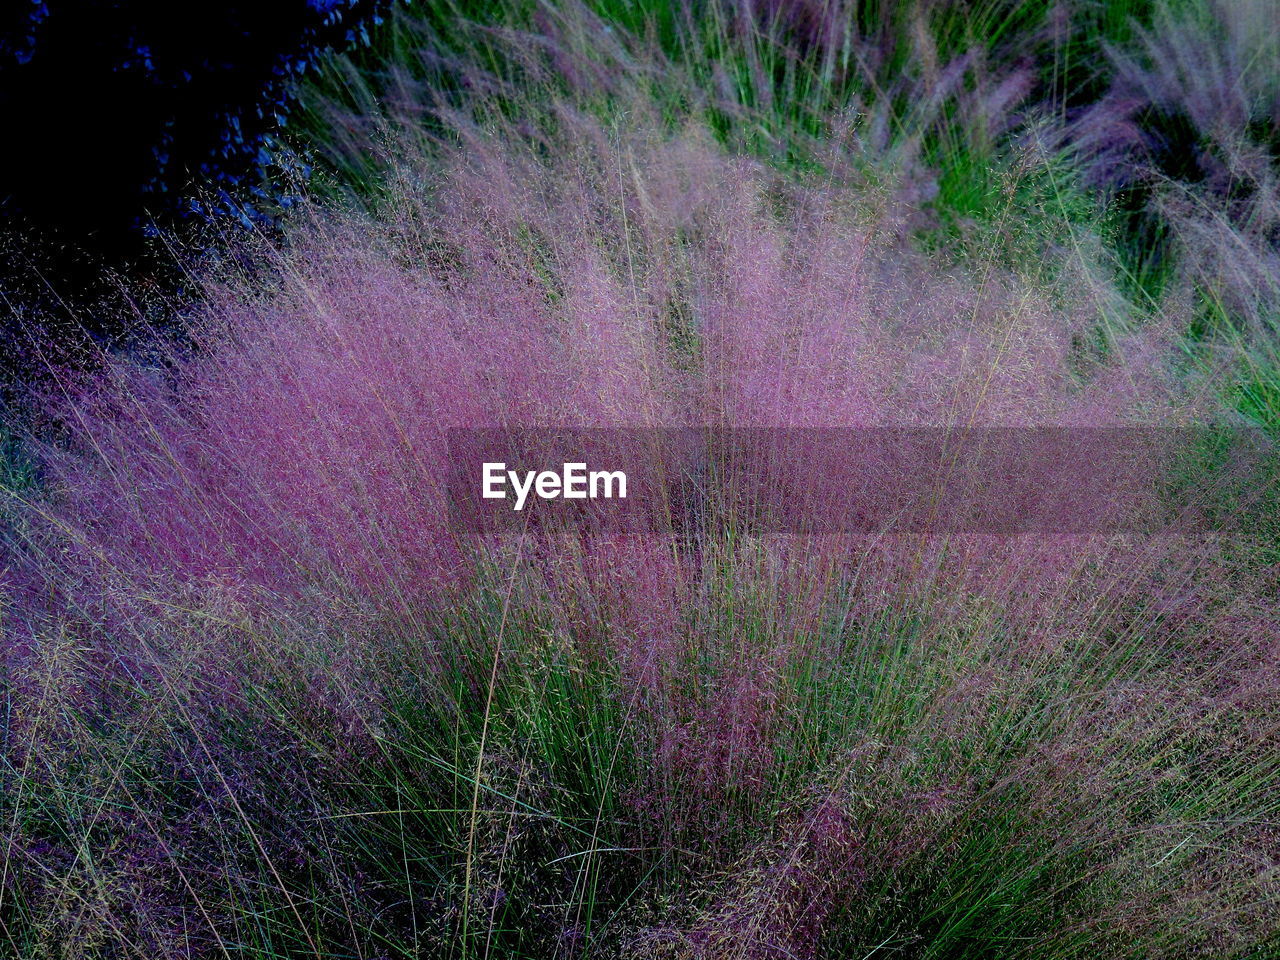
{"x": 890, "y": 90}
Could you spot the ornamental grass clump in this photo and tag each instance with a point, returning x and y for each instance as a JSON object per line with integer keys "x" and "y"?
{"x": 265, "y": 697}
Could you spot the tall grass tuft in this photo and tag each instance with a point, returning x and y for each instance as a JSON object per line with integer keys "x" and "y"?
{"x": 263, "y": 699}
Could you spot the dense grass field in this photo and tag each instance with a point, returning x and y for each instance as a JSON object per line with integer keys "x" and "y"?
{"x": 261, "y": 698}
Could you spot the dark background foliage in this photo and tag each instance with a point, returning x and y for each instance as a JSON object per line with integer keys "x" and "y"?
{"x": 115, "y": 110}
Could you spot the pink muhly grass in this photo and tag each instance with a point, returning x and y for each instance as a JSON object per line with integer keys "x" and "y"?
{"x": 304, "y": 435}
{"x": 826, "y": 730}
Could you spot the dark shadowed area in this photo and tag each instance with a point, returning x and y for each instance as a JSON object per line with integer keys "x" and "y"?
{"x": 115, "y": 111}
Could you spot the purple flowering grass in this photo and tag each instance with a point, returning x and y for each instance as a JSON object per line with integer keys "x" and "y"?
{"x": 262, "y": 699}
